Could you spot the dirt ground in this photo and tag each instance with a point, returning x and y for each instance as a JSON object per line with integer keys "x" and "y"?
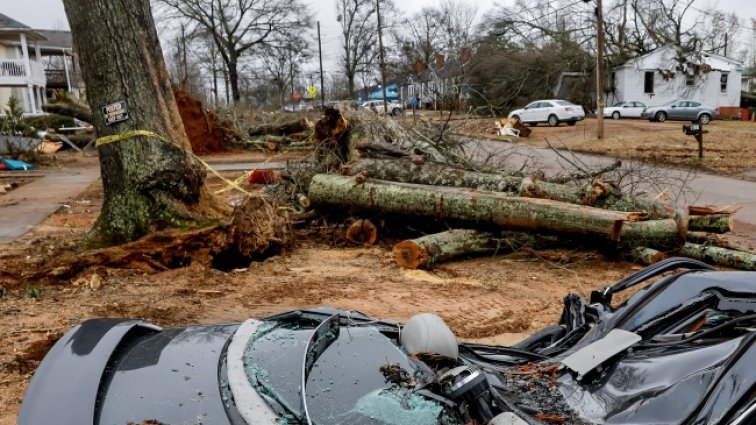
{"x": 493, "y": 299}
{"x": 729, "y": 147}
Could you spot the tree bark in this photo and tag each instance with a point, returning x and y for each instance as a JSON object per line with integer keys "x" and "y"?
{"x": 431, "y": 174}
{"x": 485, "y": 208}
{"x": 362, "y": 232}
{"x": 661, "y": 234}
{"x": 720, "y": 256}
{"x": 148, "y": 184}
{"x": 647, "y": 256}
{"x": 425, "y": 252}
{"x": 717, "y": 223}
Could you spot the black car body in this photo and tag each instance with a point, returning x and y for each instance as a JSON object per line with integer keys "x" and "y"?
{"x": 679, "y": 351}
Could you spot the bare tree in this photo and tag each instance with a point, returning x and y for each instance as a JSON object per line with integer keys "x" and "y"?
{"x": 280, "y": 62}
{"x": 236, "y": 26}
{"x": 359, "y": 36}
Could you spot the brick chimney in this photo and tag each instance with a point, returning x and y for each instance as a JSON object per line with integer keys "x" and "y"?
{"x": 419, "y": 67}
{"x": 439, "y": 60}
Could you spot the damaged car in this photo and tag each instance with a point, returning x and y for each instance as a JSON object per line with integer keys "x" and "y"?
{"x": 678, "y": 350}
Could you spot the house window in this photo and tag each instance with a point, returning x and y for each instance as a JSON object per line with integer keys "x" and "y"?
{"x": 723, "y": 82}
{"x": 648, "y": 82}
{"x": 690, "y": 80}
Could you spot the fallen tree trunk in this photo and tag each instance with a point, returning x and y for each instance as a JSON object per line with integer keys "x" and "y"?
{"x": 720, "y": 256}
{"x": 664, "y": 234}
{"x": 486, "y": 208}
{"x": 362, "y": 232}
{"x": 716, "y": 223}
{"x": 369, "y": 149}
{"x": 425, "y": 252}
{"x": 431, "y": 174}
{"x": 69, "y": 109}
{"x": 284, "y": 129}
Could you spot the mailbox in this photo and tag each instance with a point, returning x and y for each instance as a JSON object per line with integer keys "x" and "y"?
{"x": 692, "y": 129}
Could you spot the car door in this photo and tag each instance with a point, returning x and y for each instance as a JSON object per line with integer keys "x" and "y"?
{"x": 677, "y": 110}
{"x": 529, "y": 112}
{"x": 691, "y": 111}
{"x": 635, "y": 109}
{"x": 543, "y": 111}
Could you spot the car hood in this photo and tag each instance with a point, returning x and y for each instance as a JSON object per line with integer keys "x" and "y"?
{"x": 125, "y": 371}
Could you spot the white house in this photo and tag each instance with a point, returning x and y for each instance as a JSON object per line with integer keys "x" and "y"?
{"x": 663, "y": 75}
{"x": 21, "y": 71}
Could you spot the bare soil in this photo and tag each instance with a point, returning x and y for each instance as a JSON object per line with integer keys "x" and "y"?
{"x": 492, "y": 299}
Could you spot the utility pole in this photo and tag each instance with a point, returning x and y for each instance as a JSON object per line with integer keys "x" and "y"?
{"x": 380, "y": 51}
{"x": 320, "y": 56}
{"x": 725, "y": 49}
{"x": 291, "y": 75}
{"x": 600, "y": 68}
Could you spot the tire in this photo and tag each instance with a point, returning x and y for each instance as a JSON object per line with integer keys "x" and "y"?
{"x": 660, "y": 116}
{"x": 616, "y": 115}
{"x": 553, "y": 120}
{"x": 571, "y": 123}
{"x": 704, "y": 119}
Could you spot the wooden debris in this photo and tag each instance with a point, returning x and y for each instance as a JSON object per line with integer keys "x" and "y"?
{"x": 714, "y": 223}
{"x": 425, "y": 252}
{"x": 709, "y": 210}
{"x": 465, "y": 205}
{"x": 283, "y": 129}
{"x": 647, "y": 256}
{"x": 362, "y": 232}
{"x": 720, "y": 256}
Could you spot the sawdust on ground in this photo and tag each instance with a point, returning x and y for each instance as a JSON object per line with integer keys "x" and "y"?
{"x": 492, "y": 299}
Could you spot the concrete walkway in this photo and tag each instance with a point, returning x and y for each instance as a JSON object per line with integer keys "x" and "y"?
{"x": 23, "y": 208}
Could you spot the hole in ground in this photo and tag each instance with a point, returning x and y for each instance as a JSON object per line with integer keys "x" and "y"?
{"x": 230, "y": 259}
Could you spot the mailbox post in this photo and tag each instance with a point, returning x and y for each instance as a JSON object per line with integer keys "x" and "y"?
{"x": 696, "y": 130}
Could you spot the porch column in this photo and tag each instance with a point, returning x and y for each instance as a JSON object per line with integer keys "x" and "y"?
{"x": 65, "y": 66}
{"x": 25, "y": 57}
{"x": 32, "y": 99}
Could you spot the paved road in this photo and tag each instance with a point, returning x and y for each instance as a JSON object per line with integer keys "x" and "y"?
{"x": 25, "y": 207}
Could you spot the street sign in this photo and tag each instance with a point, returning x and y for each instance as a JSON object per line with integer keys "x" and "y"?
{"x": 115, "y": 112}
{"x": 312, "y": 91}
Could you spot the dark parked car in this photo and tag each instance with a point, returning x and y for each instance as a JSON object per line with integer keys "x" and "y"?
{"x": 678, "y": 351}
{"x": 681, "y": 110}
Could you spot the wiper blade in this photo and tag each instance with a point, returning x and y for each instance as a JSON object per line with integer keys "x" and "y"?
{"x": 322, "y": 337}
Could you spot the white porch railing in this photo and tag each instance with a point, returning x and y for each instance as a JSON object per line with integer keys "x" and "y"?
{"x": 13, "y": 73}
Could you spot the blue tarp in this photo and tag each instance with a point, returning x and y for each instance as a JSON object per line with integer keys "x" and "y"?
{"x": 15, "y": 165}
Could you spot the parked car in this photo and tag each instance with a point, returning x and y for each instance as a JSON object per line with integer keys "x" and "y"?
{"x": 626, "y": 109}
{"x": 552, "y": 111}
{"x": 679, "y": 350}
{"x": 395, "y": 108}
{"x": 681, "y": 110}
{"x": 296, "y": 107}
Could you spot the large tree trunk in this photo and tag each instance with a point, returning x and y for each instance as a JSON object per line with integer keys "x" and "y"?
{"x": 233, "y": 77}
{"x": 721, "y": 256}
{"x": 488, "y": 209}
{"x": 148, "y": 183}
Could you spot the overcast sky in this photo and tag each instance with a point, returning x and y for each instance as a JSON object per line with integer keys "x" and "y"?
{"x": 49, "y": 14}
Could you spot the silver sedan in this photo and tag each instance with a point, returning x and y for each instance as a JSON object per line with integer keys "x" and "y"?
{"x": 681, "y": 110}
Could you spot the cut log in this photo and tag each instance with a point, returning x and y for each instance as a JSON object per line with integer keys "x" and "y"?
{"x": 284, "y": 129}
{"x": 262, "y": 144}
{"x": 431, "y": 174}
{"x": 362, "y": 232}
{"x": 706, "y": 239}
{"x": 647, "y": 256}
{"x": 709, "y": 210}
{"x": 720, "y": 256}
{"x": 465, "y": 205}
{"x": 661, "y": 234}
{"x": 715, "y": 223}
{"x": 425, "y": 252}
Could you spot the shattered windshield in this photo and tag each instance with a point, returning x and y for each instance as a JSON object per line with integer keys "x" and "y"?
{"x": 345, "y": 386}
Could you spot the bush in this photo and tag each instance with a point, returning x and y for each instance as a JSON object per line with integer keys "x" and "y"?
{"x": 43, "y": 122}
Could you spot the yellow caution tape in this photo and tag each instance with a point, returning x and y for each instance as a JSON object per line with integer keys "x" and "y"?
{"x": 145, "y": 133}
